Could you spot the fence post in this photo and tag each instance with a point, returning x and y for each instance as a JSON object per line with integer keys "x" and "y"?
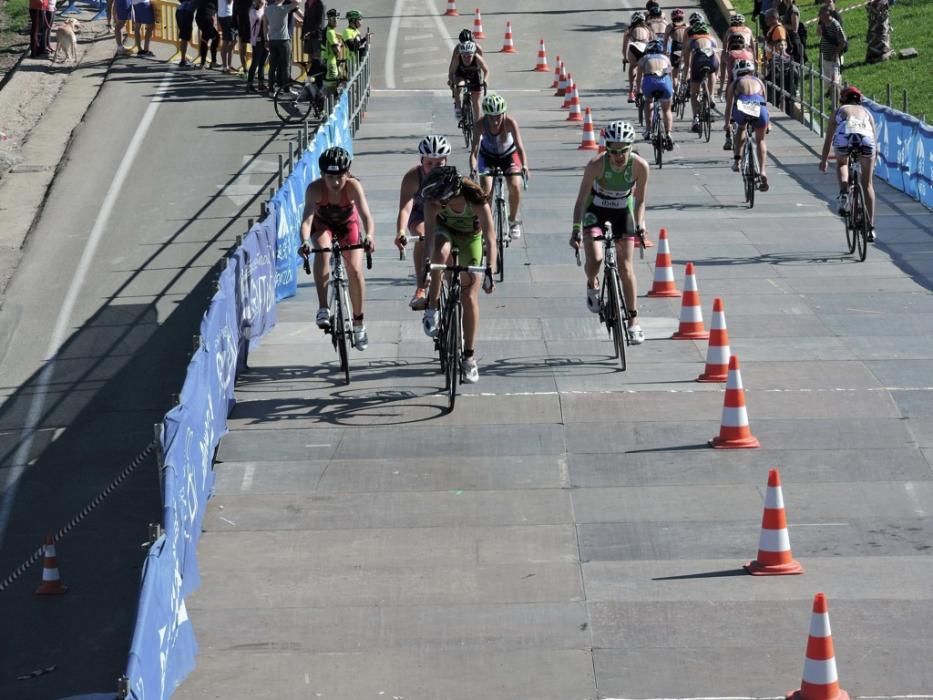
{"x": 822, "y": 104}
{"x": 888, "y": 103}
{"x": 280, "y": 171}
{"x": 810, "y": 81}
{"x": 291, "y": 157}
{"x": 905, "y": 102}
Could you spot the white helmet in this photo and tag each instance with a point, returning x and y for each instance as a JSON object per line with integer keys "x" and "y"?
{"x": 743, "y": 67}
{"x": 466, "y": 47}
{"x": 434, "y": 146}
{"x": 620, "y": 132}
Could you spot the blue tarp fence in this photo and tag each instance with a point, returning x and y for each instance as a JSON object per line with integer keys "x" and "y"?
{"x": 259, "y": 273}
{"x": 905, "y": 152}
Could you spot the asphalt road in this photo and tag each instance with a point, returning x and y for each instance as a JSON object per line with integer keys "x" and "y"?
{"x": 565, "y": 533}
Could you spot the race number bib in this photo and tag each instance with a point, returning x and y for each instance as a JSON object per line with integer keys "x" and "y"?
{"x": 858, "y": 127}
{"x": 707, "y": 52}
{"x": 751, "y": 109}
{"x": 610, "y": 203}
{"x": 638, "y": 46}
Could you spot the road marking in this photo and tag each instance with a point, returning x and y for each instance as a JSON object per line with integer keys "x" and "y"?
{"x": 417, "y": 64}
{"x": 418, "y": 37}
{"x": 912, "y": 495}
{"x": 564, "y": 471}
{"x": 409, "y": 52}
{"x": 441, "y": 29}
{"x": 247, "y": 482}
{"x": 62, "y": 322}
{"x": 419, "y": 78}
{"x": 390, "y": 44}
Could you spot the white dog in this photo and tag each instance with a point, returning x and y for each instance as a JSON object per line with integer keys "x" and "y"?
{"x": 66, "y": 41}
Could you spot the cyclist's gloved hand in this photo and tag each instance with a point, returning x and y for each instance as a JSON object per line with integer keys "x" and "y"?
{"x": 488, "y": 282}
{"x": 369, "y": 245}
{"x": 575, "y": 237}
{"x": 401, "y": 240}
{"x": 304, "y": 250}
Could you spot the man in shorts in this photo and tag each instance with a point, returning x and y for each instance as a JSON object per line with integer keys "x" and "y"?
{"x": 184, "y": 18}
{"x": 124, "y": 12}
{"x": 143, "y": 24}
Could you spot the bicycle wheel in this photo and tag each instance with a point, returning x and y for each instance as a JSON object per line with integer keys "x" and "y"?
{"x": 707, "y": 121}
{"x": 849, "y": 221}
{"x": 467, "y": 120}
{"x": 748, "y": 174}
{"x": 340, "y": 337}
{"x": 859, "y": 211}
{"x": 616, "y": 316}
{"x": 640, "y": 106}
{"x": 441, "y": 337}
{"x": 657, "y": 141}
{"x": 502, "y": 232}
{"x": 292, "y": 102}
{"x": 453, "y": 354}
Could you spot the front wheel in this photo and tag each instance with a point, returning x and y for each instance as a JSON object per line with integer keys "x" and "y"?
{"x": 502, "y": 224}
{"x": 452, "y": 344}
{"x": 616, "y": 317}
{"x": 293, "y": 102}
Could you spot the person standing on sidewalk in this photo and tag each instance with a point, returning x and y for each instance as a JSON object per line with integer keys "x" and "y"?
{"x": 143, "y": 24}
{"x": 833, "y": 44}
{"x": 227, "y": 33}
{"x": 312, "y": 29}
{"x": 184, "y": 18}
{"x": 206, "y": 18}
{"x": 39, "y": 29}
{"x": 257, "y": 39}
{"x": 280, "y": 49}
{"x": 123, "y": 9}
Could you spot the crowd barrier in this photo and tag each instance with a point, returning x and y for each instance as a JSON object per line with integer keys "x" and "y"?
{"x": 905, "y": 152}
{"x": 258, "y": 273}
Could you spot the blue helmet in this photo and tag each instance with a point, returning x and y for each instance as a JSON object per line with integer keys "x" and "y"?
{"x": 655, "y": 46}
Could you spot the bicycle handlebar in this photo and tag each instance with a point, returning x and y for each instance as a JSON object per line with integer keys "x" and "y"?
{"x": 479, "y": 269}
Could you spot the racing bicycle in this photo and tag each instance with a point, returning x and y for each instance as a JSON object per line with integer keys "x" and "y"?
{"x": 297, "y": 101}
{"x": 856, "y": 214}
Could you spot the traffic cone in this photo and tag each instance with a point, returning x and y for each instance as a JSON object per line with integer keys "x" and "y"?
{"x": 663, "y": 285}
{"x": 691, "y": 313}
{"x": 575, "y": 114}
{"x": 563, "y": 83}
{"x": 717, "y": 352}
{"x": 733, "y": 430}
{"x": 588, "y": 142}
{"x": 478, "y": 26}
{"x": 451, "y": 9}
{"x": 508, "y": 46}
{"x": 557, "y": 65}
{"x": 51, "y": 581}
{"x": 568, "y": 92}
{"x": 541, "y": 66}
{"x": 820, "y": 679}
{"x": 774, "y": 555}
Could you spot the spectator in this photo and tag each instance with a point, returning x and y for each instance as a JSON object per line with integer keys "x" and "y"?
{"x": 276, "y": 28}
{"x": 227, "y": 34}
{"x": 124, "y": 12}
{"x": 258, "y": 41}
{"x": 184, "y": 18}
{"x": 206, "y": 17}
{"x": 143, "y": 24}
{"x": 779, "y": 68}
{"x": 39, "y": 28}
{"x": 333, "y": 53}
{"x": 834, "y": 13}
{"x": 833, "y": 44}
{"x": 796, "y": 30}
{"x": 311, "y": 30}
{"x": 243, "y": 26}
{"x": 759, "y": 10}
{"x": 356, "y": 42}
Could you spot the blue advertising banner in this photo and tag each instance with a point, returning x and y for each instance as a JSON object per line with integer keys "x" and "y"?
{"x": 255, "y": 281}
{"x": 905, "y": 152}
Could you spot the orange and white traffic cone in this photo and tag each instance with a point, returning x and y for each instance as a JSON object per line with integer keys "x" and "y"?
{"x": 663, "y": 285}
{"x": 717, "y": 352}
{"x": 508, "y": 46}
{"x": 451, "y": 9}
{"x": 51, "y": 581}
{"x": 734, "y": 432}
{"x": 588, "y": 142}
{"x": 563, "y": 83}
{"x": 820, "y": 678}
{"x": 691, "y": 313}
{"x": 541, "y": 66}
{"x": 774, "y": 555}
{"x": 478, "y": 32}
{"x": 568, "y": 92}
{"x": 557, "y": 65}
{"x": 575, "y": 115}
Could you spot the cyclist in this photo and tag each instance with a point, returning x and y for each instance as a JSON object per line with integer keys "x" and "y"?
{"x": 852, "y": 126}
{"x": 674, "y": 39}
{"x": 456, "y": 214}
{"x": 434, "y": 151}
{"x": 747, "y": 102}
{"x": 736, "y": 50}
{"x": 497, "y": 142}
{"x": 654, "y": 77}
{"x": 736, "y": 28}
{"x": 335, "y": 205}
{"x": 702, "y": 57}
{"x": 633, "y": 47}
{"x": 656, "y": 21}
{"x": 468, "y": 69}
{"x": 465, "y": 35}
{"x": 613, "y": 189}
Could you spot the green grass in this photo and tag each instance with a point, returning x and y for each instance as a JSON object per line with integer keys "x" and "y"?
{"x": 910, "y": 22}
{"x": 17, "y": 14}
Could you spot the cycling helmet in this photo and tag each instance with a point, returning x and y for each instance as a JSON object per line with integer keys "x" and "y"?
{"x": 737, "y": 20}
{"x": 332, "y": 13}
{"x": 620, "y": 132}
{"x": 442, "y": 183}
{"x": 335, "y": 160}
{"x": 699, "y": 28}
{"x": 637, "y": 18}
{"x": 654, "y": 9}
{"x": 353, "y": 15}
{"x": 736, "y": 42}
{"x": 655, "y": 46}
{"x": 695, "y": 17}
{"x": 743, "y": 67}
{"x": 850, "y": 95}
{"x": 466, "y": 35}
{"x": 466, "y": 47}
{"x": 677, "y": 15}
{"x": 494, "y": 104}
{"x": 434, "y": 146}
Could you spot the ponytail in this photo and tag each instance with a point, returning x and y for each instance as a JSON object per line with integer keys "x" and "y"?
{"x": 472, "y": 192}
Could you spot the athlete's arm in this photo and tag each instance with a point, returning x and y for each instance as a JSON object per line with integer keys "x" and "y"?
{"x": 519, "y": 144}
{"x": 307, "y": 217}
{"x": 640, "y": 171}
{"x": 477, "y": 137}
{"x": 481, "y": 62}
{"x": 362, "y": 206}
{"x": 586, "y": 184}
{"x": 639, "y": 74}
{"x": 828, "y": 141}
{"x": 489, "y": 233}
{"x": 730, "y": 96}
{"x": 405, "y": 202}
{"x": 452, "y": 66}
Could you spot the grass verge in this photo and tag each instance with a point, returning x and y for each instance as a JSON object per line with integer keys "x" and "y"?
{"x": 910, "y": 22}
{"x": 17, "y": 15}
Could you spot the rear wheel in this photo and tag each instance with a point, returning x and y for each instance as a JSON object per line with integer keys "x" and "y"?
{"x": 748, "y": 175}
{"x": 658, "y": 140}
{"x": 849, "y": 221}
{"x": 293, "y": 103}
{"x": 860, "y": 214}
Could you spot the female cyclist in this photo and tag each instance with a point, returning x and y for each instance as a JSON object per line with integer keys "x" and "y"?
{"x": 434, "y": 151}
{"x": 335, "y": 205}
{"x": 613, "y": 189}
{"x": 747, "y": 103}
{"x": 852, "y": 126}
{"x": 470, "y": 69}
{"x": 633, "y": 47}
{"x": 497, "y": 142}
{"x": 456, "y": 214}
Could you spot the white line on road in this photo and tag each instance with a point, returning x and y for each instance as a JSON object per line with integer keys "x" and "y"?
{"x": 247, "y": 482}
{"x": 390, "y": 44}
{"x": 63, "y": 321}
{"x": 418, "y": 37}
{"x": 441, "y": 29}
{"x": 409, "y": 52}
{"x": 912, "y": 495}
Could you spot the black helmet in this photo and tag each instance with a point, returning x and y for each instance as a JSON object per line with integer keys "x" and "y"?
{"x": 466, "y": 35}
{"x": 654, "y": 9}
{"x": 335, "y": 160}
{"x": 332, "y": 13}
{"x": 442, "y": 183}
